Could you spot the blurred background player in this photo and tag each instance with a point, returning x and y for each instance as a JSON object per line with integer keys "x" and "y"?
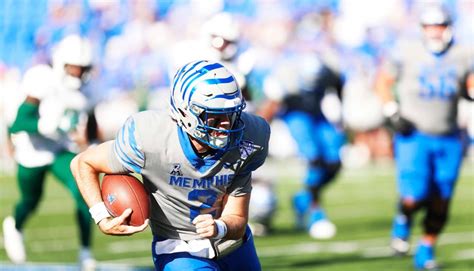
{"x": 51, "y": 125}
{"x": 222, "y": 33}
{"x": 297, "y": 90}
{"x": 431, "y": 75}
{"x": 220, "y": 39}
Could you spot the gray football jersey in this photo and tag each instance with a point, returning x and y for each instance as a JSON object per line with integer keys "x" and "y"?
{"x": 181, "y": 184}
{"x": 429, "y": 86}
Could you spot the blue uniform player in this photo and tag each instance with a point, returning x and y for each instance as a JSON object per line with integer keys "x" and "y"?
{"x": 196, "y": 161}
{"x": 297, "y": 89}
{"x": 430, "y": 77}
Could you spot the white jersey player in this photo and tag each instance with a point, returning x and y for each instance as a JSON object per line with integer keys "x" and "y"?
{"x": 196, "y": 165}
{"x": 48, "y": 125}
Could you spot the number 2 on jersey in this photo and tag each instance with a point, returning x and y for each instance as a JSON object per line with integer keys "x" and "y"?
{"x": 207, "y": 197}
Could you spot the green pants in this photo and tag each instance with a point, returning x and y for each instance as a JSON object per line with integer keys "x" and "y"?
{"x": 30, "y": 182}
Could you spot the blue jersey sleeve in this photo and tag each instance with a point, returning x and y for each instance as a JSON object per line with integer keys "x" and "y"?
{"x": 127, "y": 147}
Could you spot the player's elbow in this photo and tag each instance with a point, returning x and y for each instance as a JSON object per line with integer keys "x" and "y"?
{"x": 240, "y": 234}
{"x": 239, "y": 227}
{"x": 79, "y": 163}
{"x": 75, "y": 164}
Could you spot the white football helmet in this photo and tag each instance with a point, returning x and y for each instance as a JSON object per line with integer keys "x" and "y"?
{"x": 201, "y": 89}
{"x": 436, "y": 15}
{"x": 223, "y": 33}
{"x": 72, "y": 50}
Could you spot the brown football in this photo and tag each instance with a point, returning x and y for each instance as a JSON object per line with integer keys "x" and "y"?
{"x": 120, "y": 192}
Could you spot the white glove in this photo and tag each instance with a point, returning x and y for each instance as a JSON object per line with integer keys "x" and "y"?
{"x": 332, "y": 108}
{"x": 73, "y": 99}
{"x": 51, "y": 114}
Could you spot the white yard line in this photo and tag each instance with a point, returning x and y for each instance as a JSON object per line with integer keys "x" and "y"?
{"x": 376, "y": 247}
{"x": 366, "y": 247}
{"x": 136, "y": 261}
{"x": 467, "y": 254}
{"x": 125, "y": 246}
{"x": 370, "y": 248}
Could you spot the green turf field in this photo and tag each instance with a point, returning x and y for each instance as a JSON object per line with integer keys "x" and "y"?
{"x": 361, "y": 203}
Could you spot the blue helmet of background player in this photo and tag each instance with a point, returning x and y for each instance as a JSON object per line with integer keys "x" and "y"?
{"x": 205, "y": 94}
{"x": 436, "y": 23}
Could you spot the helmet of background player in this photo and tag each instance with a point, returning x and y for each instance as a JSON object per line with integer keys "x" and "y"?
{"x": 72, "y": 61}
{"x": 437, "y": 29}
{"x": 223, "y": 33}
{"x": 206, "y": 102}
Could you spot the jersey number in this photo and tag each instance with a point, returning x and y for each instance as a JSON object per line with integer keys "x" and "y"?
{"x": 207, "y": 197}
{"x": 441, "y": 85}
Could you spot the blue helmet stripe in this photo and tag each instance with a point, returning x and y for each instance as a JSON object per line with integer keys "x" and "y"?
{"x": 172, "y": 104}
{"x": 182, "y": 72}
{"x": 196, "y": 75}
{"x": 212, "y": 81}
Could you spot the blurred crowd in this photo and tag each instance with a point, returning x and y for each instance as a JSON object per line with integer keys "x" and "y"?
{"x": 139, "y": 43}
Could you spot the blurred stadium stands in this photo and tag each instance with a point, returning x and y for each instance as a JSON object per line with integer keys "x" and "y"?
{"x": 137, "y": 43}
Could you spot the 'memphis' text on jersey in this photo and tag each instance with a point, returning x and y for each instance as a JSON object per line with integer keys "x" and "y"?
{"x": 206, "y": 183}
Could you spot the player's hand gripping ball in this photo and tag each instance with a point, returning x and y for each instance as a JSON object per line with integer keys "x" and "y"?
{"x": 120, "y": 192}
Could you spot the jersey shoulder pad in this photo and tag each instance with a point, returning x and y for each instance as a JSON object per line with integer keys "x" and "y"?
{"x": 152, "y": 126}
{"x": 256, "y": 129}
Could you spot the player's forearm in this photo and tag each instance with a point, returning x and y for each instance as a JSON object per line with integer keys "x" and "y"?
{"x": 383, "y": 87}
{"x": 470, "y": 86}
{"x": 235, "y": 226}
{"x": 87, "y": 180}
{"x": 268, "y": 110}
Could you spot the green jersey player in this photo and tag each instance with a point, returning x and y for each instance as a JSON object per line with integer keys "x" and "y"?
{"x": 48, "y": 125}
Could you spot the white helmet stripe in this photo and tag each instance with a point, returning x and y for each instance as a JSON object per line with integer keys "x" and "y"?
{"x": 216, "y": 81}
{"x": 197, "y": 75}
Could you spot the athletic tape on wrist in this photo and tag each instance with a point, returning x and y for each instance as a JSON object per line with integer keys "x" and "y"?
{"x": 99, "y": 212}
{"x": 221, "y": 229}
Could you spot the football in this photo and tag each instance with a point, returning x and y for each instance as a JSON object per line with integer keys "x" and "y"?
{"x": 120, "y": 192}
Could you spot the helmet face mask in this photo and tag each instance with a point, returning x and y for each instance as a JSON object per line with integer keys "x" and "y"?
{"x": 219, "y": 127}
{"x": 206, "y": 102}
{"x": 227, "y": 49}
{"x": 72, "y": 61}
{"x": 75, "y": 76}
{"x": 222, "y": 32}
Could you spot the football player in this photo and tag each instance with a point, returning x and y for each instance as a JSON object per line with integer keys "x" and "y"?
{"x": 431, "y": 75}
{"x": 297, "y": 90}
{"x": 223, "y": 35}
{"x": 48, "y": 126}
{"x": 196, "y": 162}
